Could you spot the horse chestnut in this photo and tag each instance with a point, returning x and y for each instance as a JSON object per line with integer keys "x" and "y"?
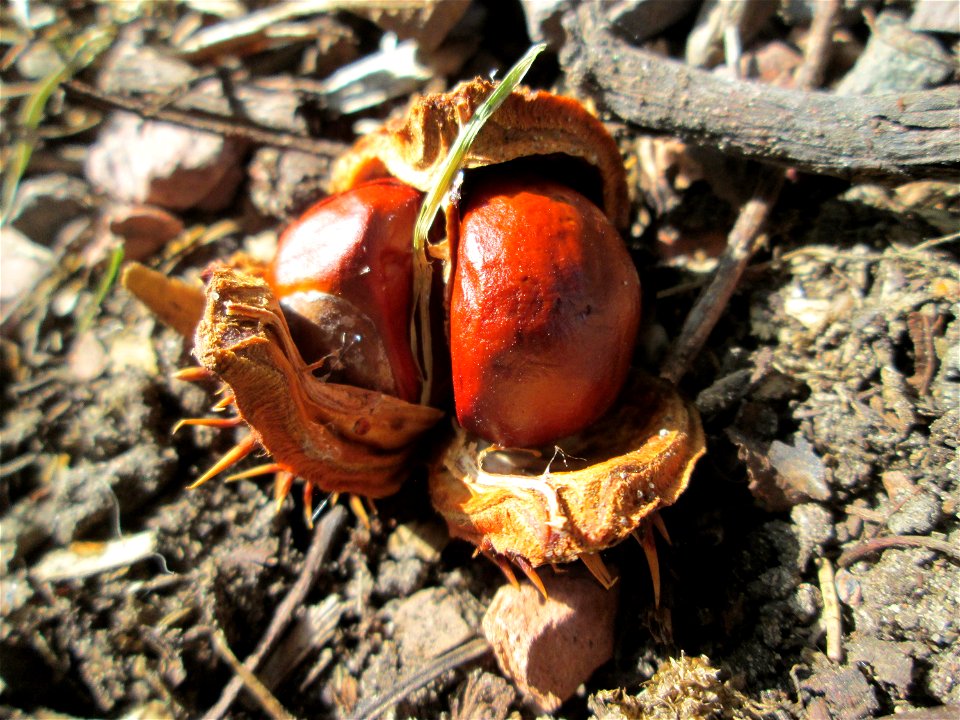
{"x": 543, "y": 315}
{"x": 343, "y": 273}
{"x": 543, "y": 306}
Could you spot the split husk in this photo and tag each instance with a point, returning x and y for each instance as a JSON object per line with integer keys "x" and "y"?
{"x": 585, "y": 498}
{"x": 338, "y": 438}
{"x": 639, "y": 457}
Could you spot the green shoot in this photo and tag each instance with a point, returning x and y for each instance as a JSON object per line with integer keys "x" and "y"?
{"x": 106, "y": 282}
{"x": 431, "y": 205}
{"x": 82, "y": 52}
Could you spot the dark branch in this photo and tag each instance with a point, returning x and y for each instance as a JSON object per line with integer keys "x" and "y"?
{"x": 908, "y": 135}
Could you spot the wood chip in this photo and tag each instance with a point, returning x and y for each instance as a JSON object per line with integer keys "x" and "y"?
{"x": 83, "y": 559}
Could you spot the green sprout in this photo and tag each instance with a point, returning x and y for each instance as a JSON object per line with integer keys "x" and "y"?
{"x": 431, "y": 205}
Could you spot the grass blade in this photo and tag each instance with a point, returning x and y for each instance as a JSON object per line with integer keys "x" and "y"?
{"x": 431, "y": 205}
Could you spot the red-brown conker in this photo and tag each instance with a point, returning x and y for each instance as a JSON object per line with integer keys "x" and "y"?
{"x": 343, "y": 273}
{"x": 543, "y": 313}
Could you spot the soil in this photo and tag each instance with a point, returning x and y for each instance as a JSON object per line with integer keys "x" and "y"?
{"x": 830, "y": 396}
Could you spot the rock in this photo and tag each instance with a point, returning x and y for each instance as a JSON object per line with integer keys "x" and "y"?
{"x": 87, "y": 359}
{"x": 484, "y": 696}
{"x": 428, "y": 23}
{"x": 46, "y": 203}
{"x": 144, "y": 229}
{"x": 896, "y": 59}
{"x": 801, "y": 12}
{"x": 132, "y": 67}
{"x": 917, "y": 516}
{"x": 544, "y": 20}
{"x": 141, "y": 161}
{"x": 638, "y": 20}
{"x": 549, "y": 646}
{"x": 412, "y": 549}
{"x": 23, "y": 264}
{"x": 891, "y": 662}
{"x": 781, "y": 475}
{"x": 641, "y": 20}
{"x": 428, "y": 623}
{"x": 814, "y": 529}
{"x": 848, "y": 694}
{"x": 421, "y": 540}
{"x": 941, "y": 16}
{"x": 776, "y": 62}
{"x": 805, "y": 603}
{"x": 38, "y": 60}
{"x": 283, "y": 183}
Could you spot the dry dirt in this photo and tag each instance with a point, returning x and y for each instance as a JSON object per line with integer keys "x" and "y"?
{"x": 829, "y": 393}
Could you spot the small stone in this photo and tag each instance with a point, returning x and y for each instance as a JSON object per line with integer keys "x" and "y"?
{"x": 46, "y": 203}
{"x": 145, "y": 229}
{"x": 283, "y": 183}
{"x": 132, "y": 66}
{"x": 484, "y": 696}
{"x": 549, "y": 646}
{"x": 891, "y": 662}
{"x": 641, "y": 20}
{"x": 814, "y": 526}
{"x": 848, "y": 587}
{"x": 805, "y": 602}
{"x": 941, "y": 16}
{"x": 142, "y": 161}
{"x": 428, "y": 623}
{"x": 800, "y": 468}
{"x": 917, "y": 516}
{"x": 38, "y": 60}
{"x": 87, "y": 359}
{"x": 544, "y": 20}
{"x": 781, "y": 475}
{"x": 848, "y": 694}
{"x": 896, "y": 59}
{"x": 776, "y": 62}
{"x": 421, "y": 540}
{"x": 23, "y": 264}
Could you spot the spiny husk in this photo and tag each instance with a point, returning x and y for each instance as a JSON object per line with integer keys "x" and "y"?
{"x": 634, "y": 461}
{"x": 529, "y": 123}
{"x": 337, "y": 438}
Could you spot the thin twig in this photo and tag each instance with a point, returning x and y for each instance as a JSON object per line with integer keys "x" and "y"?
{"x": 323, "y": 536}
{"x": 200, "y": 120}
{"x": 741, "y": 245}
{"x": 849, "y": 557}
{"x": 451, "y": 659}
{"x": 832, "y": 619}
{"x": 819, "y": 44}
{"x": 743, "y": 240}
{"x": 267, "y": 701}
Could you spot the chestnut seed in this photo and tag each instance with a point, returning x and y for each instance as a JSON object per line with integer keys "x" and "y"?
{"x": 543, "y": 314}
{"x": 343, "y": 272}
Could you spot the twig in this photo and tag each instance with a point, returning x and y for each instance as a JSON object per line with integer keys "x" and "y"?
{"x": 200, "y": 120}
{"x": 741, "y": 244}
{"x": 816, "y": 57}
{"x": 893, "y": 136}
{"x": 267, "y": 701}
{"x": 451, "y": 659}
{"x": 323, "y": 536}
{"x": 832, "y": 619}
{"x": 743, "y": 240}
{"x": 849, "y": 557}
